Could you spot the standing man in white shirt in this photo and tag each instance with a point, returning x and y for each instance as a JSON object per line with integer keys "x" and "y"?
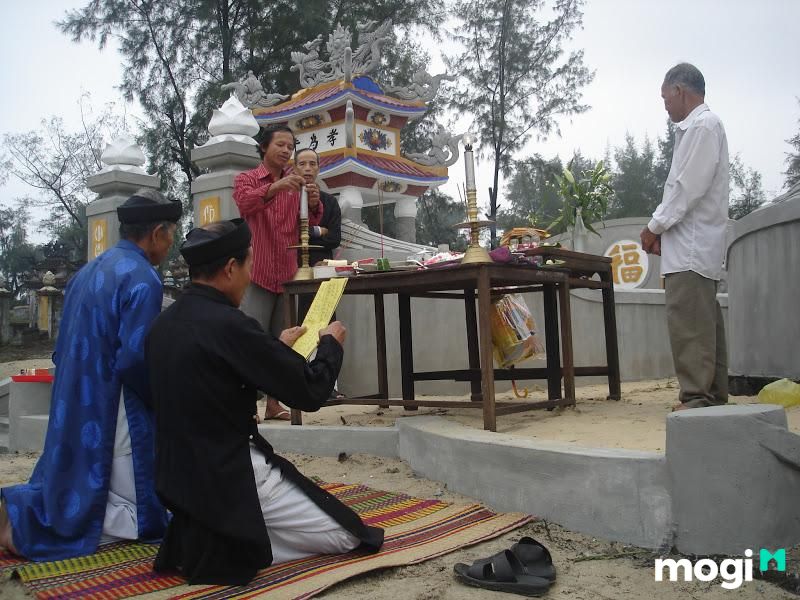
{"x": 688, "y": 231}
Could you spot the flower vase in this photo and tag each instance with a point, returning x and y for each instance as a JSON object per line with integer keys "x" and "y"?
{"x": 579, "y": 233}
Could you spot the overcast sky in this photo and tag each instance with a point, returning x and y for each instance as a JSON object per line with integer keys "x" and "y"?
{"x": 747, "y": 50}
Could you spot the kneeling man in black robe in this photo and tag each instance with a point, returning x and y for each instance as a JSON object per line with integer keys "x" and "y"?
{"x": 237, "y": 507}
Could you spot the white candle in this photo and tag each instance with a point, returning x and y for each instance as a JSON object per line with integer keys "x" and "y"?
{"x": 303, "y": 203}
{"x": 469, "y": 167}
{"x": 469, "y": 140}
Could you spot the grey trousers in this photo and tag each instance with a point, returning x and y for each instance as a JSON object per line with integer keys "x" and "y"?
{"x": 697, "y": 338}
{"x": 265, "y": 307}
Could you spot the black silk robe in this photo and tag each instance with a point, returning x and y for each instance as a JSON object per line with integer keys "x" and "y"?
{"x": 206, "y": 360}
{"x": 332, "y": 221}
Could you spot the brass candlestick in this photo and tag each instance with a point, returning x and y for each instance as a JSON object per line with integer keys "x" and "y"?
{"x": 475, "y": 253}
{"x": 304, "y": 271}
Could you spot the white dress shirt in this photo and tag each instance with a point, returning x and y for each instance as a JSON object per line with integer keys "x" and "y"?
{"x": 693, "y": 215}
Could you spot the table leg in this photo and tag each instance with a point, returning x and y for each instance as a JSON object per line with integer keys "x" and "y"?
{"x": 406, "y": 348}
{"x": 566, "y": 342}
{"x": 380, "y": 343}
{"x": 473, "y": 349}
{"x": 290, "y": 318}
{"x": 552, "y": 348}
{"x": 612, "y": 350}
{"x": 487, "y": 359}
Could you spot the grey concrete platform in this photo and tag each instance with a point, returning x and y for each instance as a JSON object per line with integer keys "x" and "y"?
{"x": 729, "y": 479}
{"x": 616, "y": 494}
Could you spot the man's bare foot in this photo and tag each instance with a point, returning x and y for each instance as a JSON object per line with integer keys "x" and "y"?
{"x": 6, "y": 539}
{"x": 275, "y": 411}
{"x": 680, "y": 406}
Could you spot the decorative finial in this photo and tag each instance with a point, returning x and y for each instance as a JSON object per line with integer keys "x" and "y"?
{"x": 251, "y": 94}
{"x": 443, "y": 151}
{"x": 123, "y": 154}
{"x": 348, "y": 64}
{"x": 349, "y": 125}
{"x": 313, "y": 70}
{"x": 423, "y": 86}
{"x": 232, "y": 122}
{"x": 48, "y": 281}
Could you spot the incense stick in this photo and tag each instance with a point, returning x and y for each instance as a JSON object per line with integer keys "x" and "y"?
{"x": 380, "y": 212}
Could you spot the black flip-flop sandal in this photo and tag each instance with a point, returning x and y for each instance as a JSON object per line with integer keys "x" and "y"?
{"x": 502, "y": 573}
{"x": 533, "y": 555}
{"x": 535, "y": 558}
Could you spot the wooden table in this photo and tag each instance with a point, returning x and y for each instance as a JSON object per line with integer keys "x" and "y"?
{"x": 465, "y": 283}
{"x": 582, "y": 268}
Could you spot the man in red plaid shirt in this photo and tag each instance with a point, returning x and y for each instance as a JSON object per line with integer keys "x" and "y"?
{"x": 268, "y": 198}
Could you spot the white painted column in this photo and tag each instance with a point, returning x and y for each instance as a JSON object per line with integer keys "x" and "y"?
{"x": 114, "y": 184}
{"x": 351, "y": 202}
{"x": 230, "y": 150}
{"x": 405, "y": 213}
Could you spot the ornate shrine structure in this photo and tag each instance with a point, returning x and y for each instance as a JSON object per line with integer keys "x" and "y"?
{"x": 355, "y": 124}
{"x": 352, "y": 121}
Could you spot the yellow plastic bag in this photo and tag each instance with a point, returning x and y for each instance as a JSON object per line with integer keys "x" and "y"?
{"x": 513, "y": 331}
{"x": 784, "y": 392}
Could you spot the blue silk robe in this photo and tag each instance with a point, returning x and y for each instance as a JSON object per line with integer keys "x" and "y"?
{"x": 108, "y": 309}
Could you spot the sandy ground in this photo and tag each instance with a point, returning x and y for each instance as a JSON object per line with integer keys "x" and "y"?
{"x": 637, "y": 421}
{"x": 588, "y": 568}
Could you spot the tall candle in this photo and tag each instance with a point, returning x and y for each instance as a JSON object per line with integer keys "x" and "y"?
{"x": 303, "y": 203}
{"x": 469, "y": 167}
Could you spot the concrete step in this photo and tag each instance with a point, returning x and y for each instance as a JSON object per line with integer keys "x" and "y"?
{"x": 5, "y": 390}
{"x": 30, "y": 433}
{"x": 3, "y": 442}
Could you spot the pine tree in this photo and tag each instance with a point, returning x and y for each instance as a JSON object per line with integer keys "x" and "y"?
{"x": 532, "y": 198}
{"x": 515, "y": 77}
{"x": 793, "y": 159}
{"x": 747, "y": 193}
{"x": 636, "y": 185}
{"x": 664, "y": 159}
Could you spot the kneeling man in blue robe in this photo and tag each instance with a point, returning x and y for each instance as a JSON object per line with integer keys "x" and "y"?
{"x": 94, "y": 480}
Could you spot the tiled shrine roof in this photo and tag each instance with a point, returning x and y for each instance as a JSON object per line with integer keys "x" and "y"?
{"x": 334, "y": 94}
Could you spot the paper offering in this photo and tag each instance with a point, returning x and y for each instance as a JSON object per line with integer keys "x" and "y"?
{"x": 319, "y": 315}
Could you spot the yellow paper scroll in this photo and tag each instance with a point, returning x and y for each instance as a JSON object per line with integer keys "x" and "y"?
{"x": 320, "y": 313}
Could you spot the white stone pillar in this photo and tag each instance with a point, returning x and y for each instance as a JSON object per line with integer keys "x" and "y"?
{"x": 405, "y": 214}
{"x": 49, "y": 298}
{"x": 351, "y": 202}
{"x": 230, "y": 150}
{"x": 115, "y": 183}
{"x": 5, "y": 312}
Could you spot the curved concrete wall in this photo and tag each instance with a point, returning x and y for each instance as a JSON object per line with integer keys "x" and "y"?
{"x": 764, "y": 291}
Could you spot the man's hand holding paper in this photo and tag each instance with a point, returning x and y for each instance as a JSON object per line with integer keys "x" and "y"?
{"x": 337, "y": 330}
{"x": 317, "y": 321}
{"x": 291, "y": 335}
